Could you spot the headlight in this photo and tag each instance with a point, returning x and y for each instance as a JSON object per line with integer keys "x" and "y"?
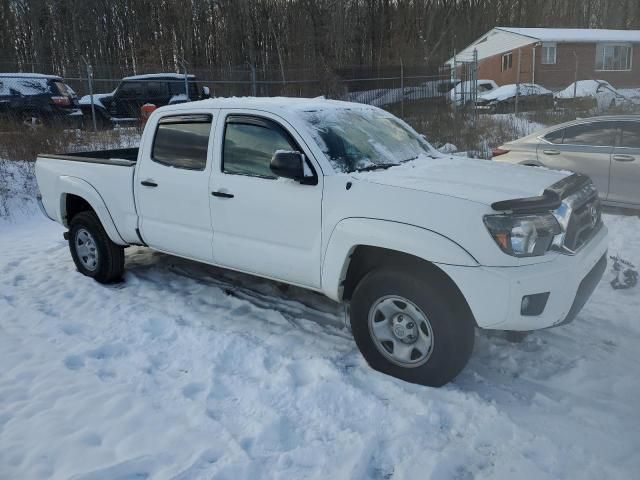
{"x": 523, "y": 235}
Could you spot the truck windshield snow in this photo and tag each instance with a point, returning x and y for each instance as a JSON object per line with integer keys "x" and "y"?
{"x": 356, "y": 140}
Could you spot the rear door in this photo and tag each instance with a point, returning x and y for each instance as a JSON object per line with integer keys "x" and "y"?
{"x": 625, "y": 165}
{"x": 157, "y": 93}
{"x": 172, "y": 185}
{"x": 263, "y": 224}
{"x": 584, "y": 148}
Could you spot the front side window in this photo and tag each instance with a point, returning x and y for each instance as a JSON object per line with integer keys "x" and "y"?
{"x": 176, "y": 87}
{"x": 507, "y": 61}
{"x": 631, "y": 134}
{"x": 182, "y": 141}
{"x": 354, "y": 139}
{"x": 548, "y": 53}
{"x": 555, "y": 137}
{"x": 598, "y": 134}
{"x": 249, "y": 145}
{"x": 611, "y": 56}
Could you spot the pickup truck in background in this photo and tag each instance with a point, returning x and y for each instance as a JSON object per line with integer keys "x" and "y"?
{"x": 123, "y": 104}
{"x": 347, "y": 200}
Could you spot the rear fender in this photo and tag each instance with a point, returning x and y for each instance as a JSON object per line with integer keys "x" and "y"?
{"x": 83, "y": 189}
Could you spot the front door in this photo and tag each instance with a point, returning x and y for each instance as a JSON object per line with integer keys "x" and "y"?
{"x": 128, "y": 100}
{"x": 625, "y": 166}
{"x": 264, "y": 225}
{"x": 584, "y": 148}
{"x": 172, "y": 186}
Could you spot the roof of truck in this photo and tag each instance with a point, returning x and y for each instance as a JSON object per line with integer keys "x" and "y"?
{"x": 159, "y": 76}
{"x": 271, "y": 103}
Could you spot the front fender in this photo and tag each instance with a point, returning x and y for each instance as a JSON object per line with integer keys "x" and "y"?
{"x": 83, "y": 189}
{"x": 410, "y": 239}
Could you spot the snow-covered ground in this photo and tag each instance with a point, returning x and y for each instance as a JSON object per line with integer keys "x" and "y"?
{"x": 185, "y": 371}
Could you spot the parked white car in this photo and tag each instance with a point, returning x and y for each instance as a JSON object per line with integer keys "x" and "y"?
{"x": 464, "y": 92}
{"x": 598, "y": 94}
{"x": 347, "y": 200}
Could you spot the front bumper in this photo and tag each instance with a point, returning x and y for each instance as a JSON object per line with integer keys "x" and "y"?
{"x": 495, "y": 294}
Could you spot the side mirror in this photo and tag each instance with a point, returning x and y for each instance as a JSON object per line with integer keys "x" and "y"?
{"x": 206, "y": 93}
{"x": 288, "y": 164}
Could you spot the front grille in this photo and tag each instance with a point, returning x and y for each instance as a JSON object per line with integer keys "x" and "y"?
{"x": 585, "y": 218}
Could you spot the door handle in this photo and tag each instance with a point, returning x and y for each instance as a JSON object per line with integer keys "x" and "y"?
{"x": 624, "y": 158}
{"x": 148, "y": 183}
{"x": 551, "y": 152}
{"x": 222, "y": 194}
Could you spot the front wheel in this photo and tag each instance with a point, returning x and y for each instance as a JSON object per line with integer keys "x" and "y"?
{"x": 93, "y": 252}
{"x": 409, "y": 326}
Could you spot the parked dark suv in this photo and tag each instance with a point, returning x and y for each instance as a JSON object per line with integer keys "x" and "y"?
{"x": 159, "y": 89}
{"x": 35, "y": 99}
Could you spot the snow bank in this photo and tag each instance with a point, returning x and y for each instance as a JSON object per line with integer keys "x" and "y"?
{"x": 190, "y": 372}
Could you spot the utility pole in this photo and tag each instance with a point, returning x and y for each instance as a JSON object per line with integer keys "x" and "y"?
{"x": 90, "y": 82}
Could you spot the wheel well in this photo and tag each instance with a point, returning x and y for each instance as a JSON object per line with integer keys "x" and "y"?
{"x": 366, "y": 258}
{"x": 73, "y": 205}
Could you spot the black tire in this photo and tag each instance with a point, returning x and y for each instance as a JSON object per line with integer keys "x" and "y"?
{"x": 109, "y": 263}
{"x": 452, "y": 325}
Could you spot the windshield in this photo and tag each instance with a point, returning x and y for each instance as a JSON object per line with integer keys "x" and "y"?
{"x": 363, "y": 139}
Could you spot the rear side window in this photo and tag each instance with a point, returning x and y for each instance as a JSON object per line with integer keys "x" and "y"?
{"x": 598, "y": 134}
{"x": 130, "y": 90}
{"x": 64, "y": 89}
{"x": 157, "y": 89}
{"x": 250, "y": 144}
{"x": 631, "y": 134}
{"x": 182, "y": 141}
{"x": 555, "y": 137}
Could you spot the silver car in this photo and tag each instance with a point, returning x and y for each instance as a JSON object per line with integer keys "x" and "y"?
{"x": 607, "y": 149}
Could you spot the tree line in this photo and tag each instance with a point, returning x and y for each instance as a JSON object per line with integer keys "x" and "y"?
{"x": 53, "y": 36}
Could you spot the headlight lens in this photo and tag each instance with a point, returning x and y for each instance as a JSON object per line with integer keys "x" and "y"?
{"x": 523, "y": 235}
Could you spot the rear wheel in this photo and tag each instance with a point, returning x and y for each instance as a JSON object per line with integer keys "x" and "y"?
{"x": 93, "y": 252}
{"x": 409, "y": 326}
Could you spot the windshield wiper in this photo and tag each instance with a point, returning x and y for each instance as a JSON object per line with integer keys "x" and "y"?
{"x": 377, "y": 166}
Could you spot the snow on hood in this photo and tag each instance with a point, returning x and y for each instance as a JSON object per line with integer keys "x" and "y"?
{"x": 508, "y": 91}
{"x": 97, "y": 98}
{"x": 481, "y": 181}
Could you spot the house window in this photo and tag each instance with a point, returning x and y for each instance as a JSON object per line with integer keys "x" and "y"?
{"x": 507, "y": 61}
{"x": 613, "y": 56}
{"x": 548, "y": 53}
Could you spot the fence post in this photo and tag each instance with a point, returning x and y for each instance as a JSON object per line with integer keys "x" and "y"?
{"x": 401, "y": 88}
{"x": 518, "y": 79}
{"x": 575, "y": 76}
{"x": 254, "y": 90}
{"x": 474, "y": 93}
{"x": 90, "y": 82}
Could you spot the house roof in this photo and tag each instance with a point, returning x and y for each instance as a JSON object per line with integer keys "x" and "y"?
{"x": 503, "y": 39}
{"x": 587, "y": 35}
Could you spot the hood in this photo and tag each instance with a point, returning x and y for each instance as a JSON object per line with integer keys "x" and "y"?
{"x": 481, "y": 181}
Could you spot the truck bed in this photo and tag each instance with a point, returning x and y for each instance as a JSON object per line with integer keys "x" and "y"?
{"x": 104, "y": 178}
{"x": 126, "y": 157}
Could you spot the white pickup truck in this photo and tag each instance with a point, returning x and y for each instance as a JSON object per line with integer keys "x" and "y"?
{"x": 347, "y": 200}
